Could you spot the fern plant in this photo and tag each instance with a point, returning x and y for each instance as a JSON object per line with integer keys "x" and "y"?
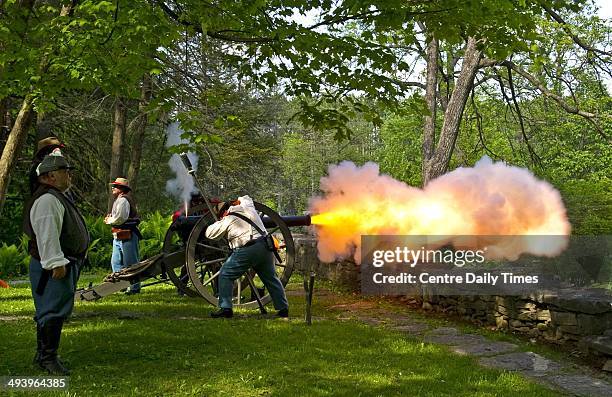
{"x": 154, "y": 226}
{"x": 13, "y": 261}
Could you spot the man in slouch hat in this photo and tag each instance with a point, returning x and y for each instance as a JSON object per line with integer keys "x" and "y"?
{"x": 44, "y": 147}
{"x": 58, "y": 245}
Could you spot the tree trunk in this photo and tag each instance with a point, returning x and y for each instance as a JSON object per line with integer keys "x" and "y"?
{"x": 18, "y": 134}
{"x": 15, "y": 142}
{"x": 4, "y": 122}
{"x": 431, "y": 90}
{"x": 437, "y": 164}
{"x": 139, "y": 135}
{"x": 116, "y": 165}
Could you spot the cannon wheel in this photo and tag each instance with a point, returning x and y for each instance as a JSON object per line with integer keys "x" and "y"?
{"x": 174, "y": 242}
{"x": 204, "y": 261}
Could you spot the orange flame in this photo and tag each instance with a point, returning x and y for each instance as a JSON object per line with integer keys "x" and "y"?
{"x": 490, "y": 199}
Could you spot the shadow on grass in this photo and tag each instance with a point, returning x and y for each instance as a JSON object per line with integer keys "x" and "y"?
{"x": 172, "y": 348}
{"x": 249, "y": 357}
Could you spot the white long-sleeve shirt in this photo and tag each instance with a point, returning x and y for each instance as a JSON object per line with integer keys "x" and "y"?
{"x": 120, "y": 212}
{"x": 238, "y": 232}
{"x": 47, "y": 216}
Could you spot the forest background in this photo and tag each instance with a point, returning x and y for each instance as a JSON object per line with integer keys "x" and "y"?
{"x": 270, "y": 93}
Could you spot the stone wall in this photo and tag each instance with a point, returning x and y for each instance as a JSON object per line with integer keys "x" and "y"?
{"x": 566, "y": 315}
{"x": 575, "y": 316}
{"x": 345, "y": 274}
{"x": 583, "y": 316}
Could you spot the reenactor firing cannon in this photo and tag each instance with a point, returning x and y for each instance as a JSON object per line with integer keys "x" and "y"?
{"x": 192, "y": 262}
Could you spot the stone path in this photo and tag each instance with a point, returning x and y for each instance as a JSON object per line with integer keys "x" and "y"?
{"x": 496, "y": 354}
{"x": 570, "y": 380}
{"x": 18, "y": 282}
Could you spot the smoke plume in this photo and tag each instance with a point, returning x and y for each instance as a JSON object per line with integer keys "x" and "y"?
{"x": 181, "y": 186}
{"x": 489, "y": 199}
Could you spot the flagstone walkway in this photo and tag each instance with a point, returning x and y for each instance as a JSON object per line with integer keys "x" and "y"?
{"x": 569, "y": 379}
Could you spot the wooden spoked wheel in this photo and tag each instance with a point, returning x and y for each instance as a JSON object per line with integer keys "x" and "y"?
{"x": 205, "y": 258}
{"x": 176, "y": 241}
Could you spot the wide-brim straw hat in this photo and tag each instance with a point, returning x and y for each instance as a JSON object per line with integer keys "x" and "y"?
{"x": 122, "y": 182}
{"x": 49, "y": 141}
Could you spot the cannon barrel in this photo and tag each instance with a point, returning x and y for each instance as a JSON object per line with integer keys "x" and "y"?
{"x": 185, "y": 222}
{"x": 291, "y": 221}
{"x": 188, "y": 222}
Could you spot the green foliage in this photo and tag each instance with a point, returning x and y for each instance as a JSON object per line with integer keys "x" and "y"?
{"x": 341, "y": 77}
{"x": 14, "y": 261}
{"x": 307, "y": 154}
{"x": 153, "y": 227}
{"x": 98, "y": 230}
{"x": 571, "y": 154}
{"x": 11, "y": 220}
{"x": 100, "y": 248}
{"x": 93, "y": 46}
{"x": 399, "y": 154}
{"x": 589, "y": 205}
{"x": 14, "y": 258}
{"x": 354, "y": 60}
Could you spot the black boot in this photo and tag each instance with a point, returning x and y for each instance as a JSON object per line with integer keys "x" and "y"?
{"x": 225, "y": 313}
{"x": 51, "y": 333}
{"x": 36, "y": 359}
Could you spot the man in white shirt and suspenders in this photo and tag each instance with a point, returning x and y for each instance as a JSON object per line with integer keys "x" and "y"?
{"x": 249, "y": 250}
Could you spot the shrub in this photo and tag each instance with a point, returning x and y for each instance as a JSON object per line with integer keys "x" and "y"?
{"x": 589, "y": 206}
{"x": 153, "y": 228}
{"x": 13, "y": 260}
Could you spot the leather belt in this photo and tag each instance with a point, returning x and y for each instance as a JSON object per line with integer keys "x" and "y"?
{"x": 251, "y": 242}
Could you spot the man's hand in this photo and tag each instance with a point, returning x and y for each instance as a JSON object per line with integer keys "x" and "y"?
{"x": 59, "y": 272}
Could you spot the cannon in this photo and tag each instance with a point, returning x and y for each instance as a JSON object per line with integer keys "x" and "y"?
{"x": 192, "y": 262}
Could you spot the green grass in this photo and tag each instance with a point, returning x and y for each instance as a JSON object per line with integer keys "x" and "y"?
{"x": 172, "y": 348}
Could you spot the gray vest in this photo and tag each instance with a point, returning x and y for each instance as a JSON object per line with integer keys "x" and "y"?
{"x": 74, "y": 238}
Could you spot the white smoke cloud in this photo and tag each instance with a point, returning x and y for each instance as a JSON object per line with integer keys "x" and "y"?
{"x": 183, "y": 185}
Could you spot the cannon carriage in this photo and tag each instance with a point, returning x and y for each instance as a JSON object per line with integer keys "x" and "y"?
{"x": 192, "y": 263}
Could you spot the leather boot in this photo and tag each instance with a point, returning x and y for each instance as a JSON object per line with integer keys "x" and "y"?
{"x": 36, "y": 359}
{"x": 222, "y": 313}
{"x": 51, "y": 333}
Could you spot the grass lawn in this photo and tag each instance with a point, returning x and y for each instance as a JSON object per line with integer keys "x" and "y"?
{"x": 159, "y": 344}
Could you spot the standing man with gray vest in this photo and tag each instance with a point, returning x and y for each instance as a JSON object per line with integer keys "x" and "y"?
{"x": 58, "y": 245}
{"x": 126, "y": 236}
